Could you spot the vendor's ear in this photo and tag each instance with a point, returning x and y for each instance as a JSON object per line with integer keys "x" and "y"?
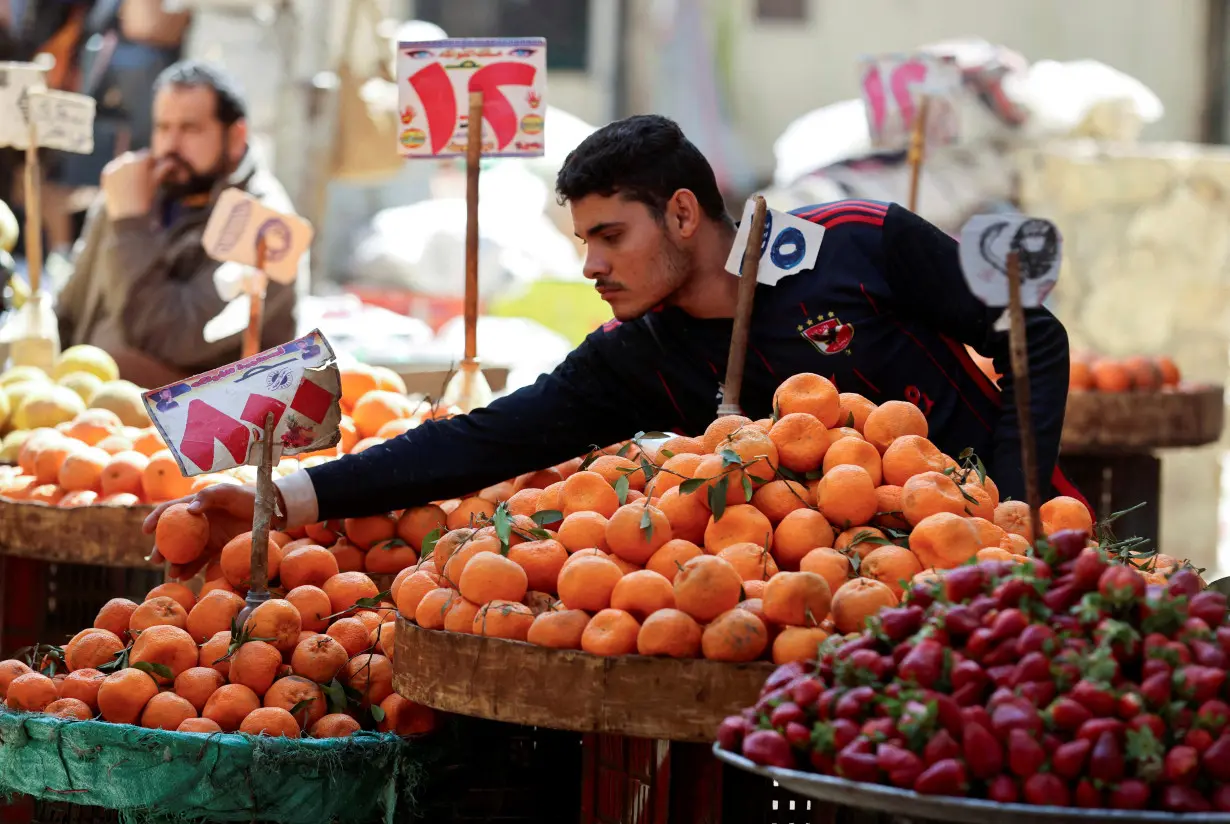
{"x": 683, "y": 214}
{"x": 237, "y": 140}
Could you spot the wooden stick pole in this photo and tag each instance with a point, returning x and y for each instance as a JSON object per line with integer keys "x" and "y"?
{"x": 474, "y": 152}
{"x": 256, "y": 304}
{"x": 264, "y": 509}
{"x": 1019, "y": 350}
{"x": 735, "y": 362}
{"x": 918, "y": 148}
{"x": 34, "y": 212}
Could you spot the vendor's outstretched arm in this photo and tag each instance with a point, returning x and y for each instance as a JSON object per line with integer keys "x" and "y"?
{"x": 923, "y": 268}
{"x": 593, "y": 398}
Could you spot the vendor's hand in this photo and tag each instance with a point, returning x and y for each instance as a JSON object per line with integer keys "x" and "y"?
{"x": 128, "y": 185}
{"x": 229, "y": 507}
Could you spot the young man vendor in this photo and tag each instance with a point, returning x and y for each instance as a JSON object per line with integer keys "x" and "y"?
{"x": 884, "y": 312}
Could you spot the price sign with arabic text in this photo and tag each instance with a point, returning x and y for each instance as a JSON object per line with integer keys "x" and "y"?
{"x": 892, "y": 87}
{"x": 434, "y": 81}
{"x": 213, "y": 421}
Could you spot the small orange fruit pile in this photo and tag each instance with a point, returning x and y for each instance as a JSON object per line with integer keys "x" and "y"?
{"x": 1132, "y": 374}
{"x": 316, "y": 661}
{"x": 756, "y": 539}
{"x": 95, "y": 459}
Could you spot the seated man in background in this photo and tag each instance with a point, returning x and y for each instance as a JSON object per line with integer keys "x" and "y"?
{"x": 143, "y": 288}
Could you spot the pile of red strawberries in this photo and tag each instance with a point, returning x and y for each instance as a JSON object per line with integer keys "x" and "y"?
{"x": 1066, "y": 682}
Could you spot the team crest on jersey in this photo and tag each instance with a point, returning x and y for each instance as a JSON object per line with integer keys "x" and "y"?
{"x": 828, "y": 334}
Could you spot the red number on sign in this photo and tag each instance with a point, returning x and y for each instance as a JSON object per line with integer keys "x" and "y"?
{"x": 204, "y": 426}
{"x": 497, "y": 111}
{"x": 439, "y": 99}
{"x": 258, "y": 406}
{"x": 907, "y": 74}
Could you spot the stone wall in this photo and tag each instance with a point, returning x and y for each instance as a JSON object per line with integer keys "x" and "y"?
{"x": 1146, "y": 270}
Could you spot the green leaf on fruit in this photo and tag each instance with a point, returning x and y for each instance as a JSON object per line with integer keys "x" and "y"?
{"x": 161, "y": 670}
{"x": 429, "y": 543}
{"x": 621, "y": 489}
{"x": 691, "y": 485}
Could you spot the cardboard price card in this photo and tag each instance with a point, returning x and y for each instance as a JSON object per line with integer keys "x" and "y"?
{"x": 17, "y": 80}
{"x": 214, "y": 421}
{"x": 239, "y": 221}
{"x": 986, "y": 242}
{"x": 63, "y": 120}
{"x": 434, "y": 81}
{"x": 788, "y": 246}
{"x": 892, "y": 87}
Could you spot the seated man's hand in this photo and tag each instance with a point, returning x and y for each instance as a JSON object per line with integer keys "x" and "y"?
{"x": 128, "y": 185}
{"x": 229, "y": 507}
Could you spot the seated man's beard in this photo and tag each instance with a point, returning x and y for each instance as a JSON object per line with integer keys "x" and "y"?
{"x": 190, "y": 182}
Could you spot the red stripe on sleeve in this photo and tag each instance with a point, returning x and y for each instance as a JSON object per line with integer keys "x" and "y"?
{"x": 829, "y": 223}
{"x": 844, "y": 205}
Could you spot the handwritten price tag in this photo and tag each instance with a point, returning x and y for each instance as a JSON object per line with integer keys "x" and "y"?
{"x": 789, "y": 245}
{"x": 214, "y": 421}
{"x": 434, "y": 81}
{"x": 239, "y": 221}
{"x": 63, "y": 120}
{"x": 892, "y": 88}
{"x": 16, "y": 81}
{"x": 986, "y": 241}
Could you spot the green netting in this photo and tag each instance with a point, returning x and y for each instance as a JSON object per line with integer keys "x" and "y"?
{"x": 158, "y": 776}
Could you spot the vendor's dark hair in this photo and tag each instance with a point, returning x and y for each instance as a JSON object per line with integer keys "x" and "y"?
{"x": 645, "y": 158}
{"x": 230, "y": 105}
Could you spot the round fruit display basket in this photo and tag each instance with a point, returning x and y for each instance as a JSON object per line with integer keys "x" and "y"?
{"x": 146, "y": 774}
{"x": 643, "y": 724}
{"x": 100, "y": 535}
{"x": 1142, "y": 421}
{"x": 503, "y": 680}
{"x": 1110, "y": 442}
{"x": 937, "y": 808}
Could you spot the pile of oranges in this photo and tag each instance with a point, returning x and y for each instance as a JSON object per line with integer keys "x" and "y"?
{"x": 756, "y": 540}
{"x": 96, "y": 459}
{"x": 1132, "y": 374}
{"x": 317, "y": 660}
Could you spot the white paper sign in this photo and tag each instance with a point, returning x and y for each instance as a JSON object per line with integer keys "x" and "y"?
{"x": 239, "y": 220}
{"x": 892, "y": 87}
{"x": 434, "y": 81}
{"x": 16, "y": 81}
{"x": 63, "y": 120}
{"x": 986, "y": 241}
{"x": 789, "y": 245}
{"x": 213, "y": 421}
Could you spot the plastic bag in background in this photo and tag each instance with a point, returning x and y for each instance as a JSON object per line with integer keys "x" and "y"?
{"x": 421, "y": 247}
{"x": 529, "y": 348}
{"x": 1005, "y": 102}
{"x": 954, "y": 184}
{"x": 1083, "y": 98}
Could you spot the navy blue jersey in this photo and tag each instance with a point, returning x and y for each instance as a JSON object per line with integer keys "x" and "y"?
{"x": 885, "y": 313}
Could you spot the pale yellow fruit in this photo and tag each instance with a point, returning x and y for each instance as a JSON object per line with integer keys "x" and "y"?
{"x": 389, "y": 379}
{"x": 11, "y": 446}
{"x": 9, "y": 230}
{"x": 21, "y": 374}
{"x": 124, "y": 399}
{"x": 5, "y": 410}
{"x": 47, "y": 405}
{"x": 85, "y": 358}
{"x": 85, "y": 384}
